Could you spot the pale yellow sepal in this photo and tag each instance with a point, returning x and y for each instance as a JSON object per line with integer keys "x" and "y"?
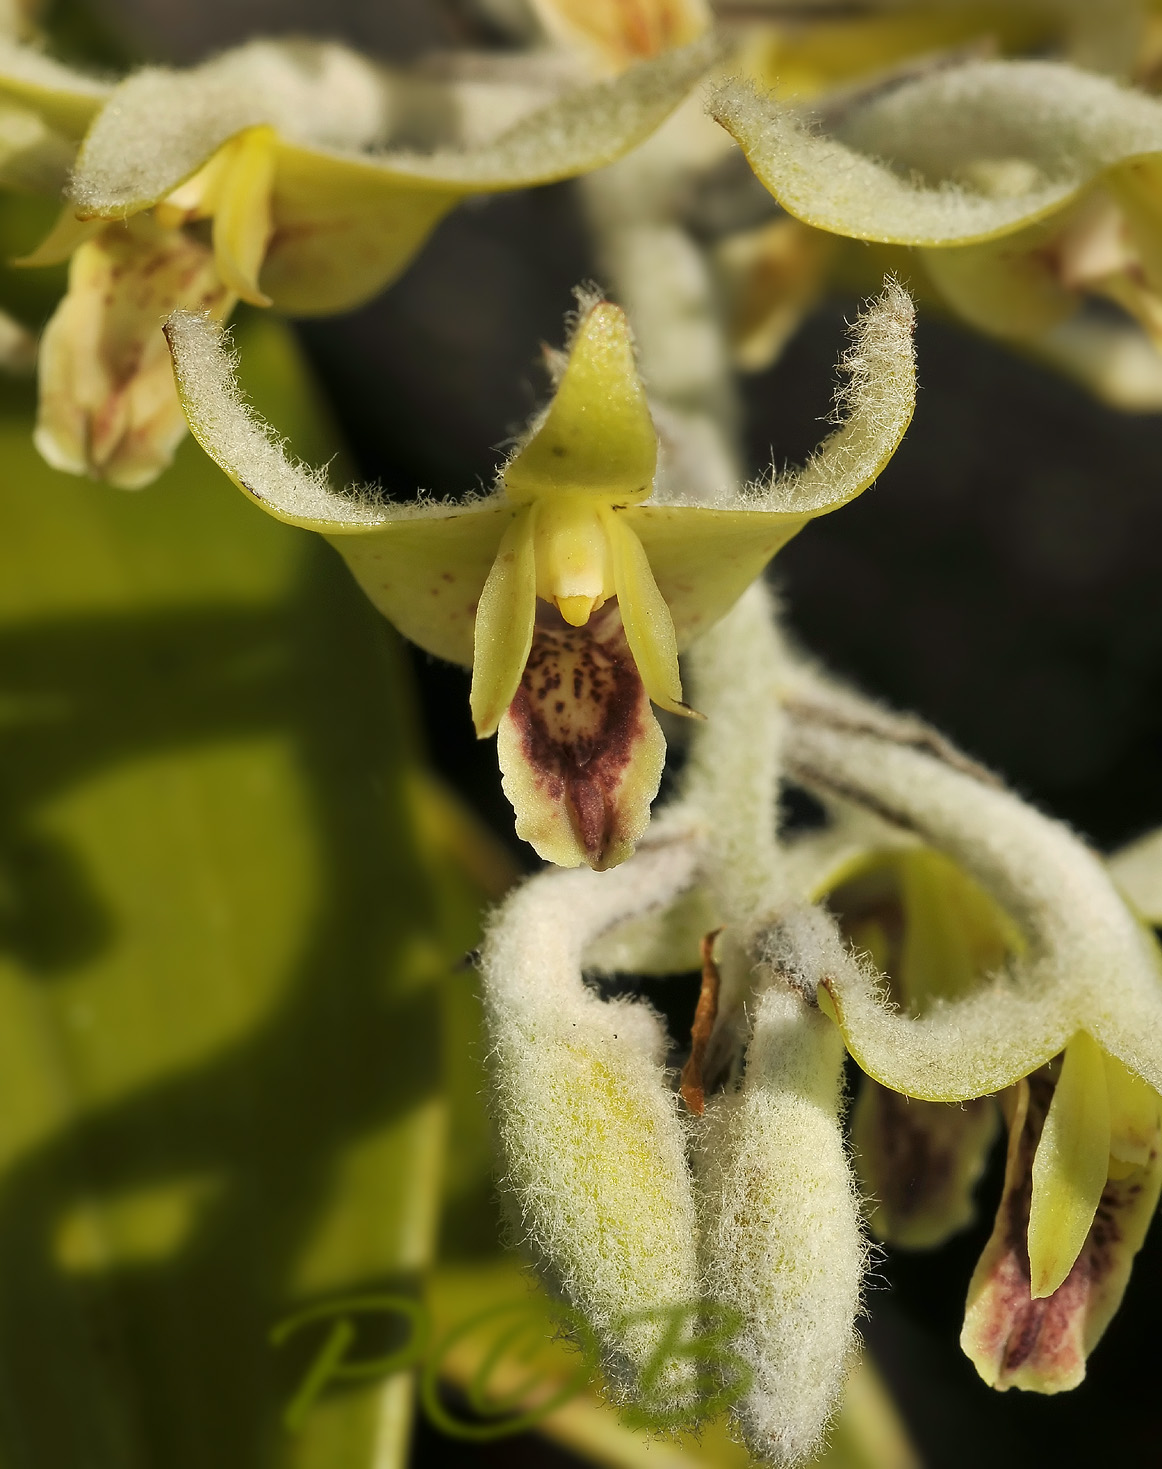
{"x": 346, "y": 216}
{"x": 343, "y": 232}
{"x": 974, "y": 152}
{"x": 597, "y": 437}
{"x": 704, "y": 559}
{"x": 424, "y": 572}
{"x": 1070, "y": 1166}
{"x": 504, "y": 624}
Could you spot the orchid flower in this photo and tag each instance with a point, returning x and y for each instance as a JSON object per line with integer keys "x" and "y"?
{"x": 261, "y": 175}
{"x": 572, "y": 588}
{"x": 1049, "y": 993}
{"x": 1025, "y": 188}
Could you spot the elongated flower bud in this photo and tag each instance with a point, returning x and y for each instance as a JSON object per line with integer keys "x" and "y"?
{"x": 783, "y": 1244}
{"x": 592, "y": 1142}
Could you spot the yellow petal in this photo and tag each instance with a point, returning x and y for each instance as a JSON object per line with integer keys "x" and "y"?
{"x": 580, "y": 752}
{"x": 649, "y": 628}
{"x": 597, "y": 437}
{"x": 919, "y": 1162}
{"x": 1070, "y": 1166}
{"x": 504, "y": 624}
{"x": 242, "y": 220}
{"x": 107, "y": 402}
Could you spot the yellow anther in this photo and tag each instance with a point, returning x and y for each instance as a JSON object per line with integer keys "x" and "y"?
{"x": 576, "y": 610}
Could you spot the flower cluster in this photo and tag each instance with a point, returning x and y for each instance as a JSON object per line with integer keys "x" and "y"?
{"x": 976, "y": 960}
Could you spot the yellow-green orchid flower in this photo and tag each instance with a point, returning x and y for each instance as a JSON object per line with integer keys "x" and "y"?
{"x": 264, "y": 177}
{"x": 1069, "y": 1016}
{"x": 572, "y": 588}
{"x": 1024, "y": 187}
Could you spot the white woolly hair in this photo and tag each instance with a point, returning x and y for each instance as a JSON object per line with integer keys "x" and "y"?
{"x": 873, "y": 407}
{"x": 250, "y": 451}
{"x": 593, "y": 1147}
{"x": 964, "y": 154}
{"x": 162, "y": 125}
{"x": 1090, "y": 965}
{"x": 782, "y": 1241}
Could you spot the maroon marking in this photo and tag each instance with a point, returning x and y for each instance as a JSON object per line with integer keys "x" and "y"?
{"x": 580, "y": 747}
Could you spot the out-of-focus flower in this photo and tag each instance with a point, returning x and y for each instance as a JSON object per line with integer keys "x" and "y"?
{"x": 1025, "y": 188}
{"x": 613, "y": 34}
{"x": 571, "y": 589}
{"x": 1064, "y": 1017}
{"x": 264, "y": 176}
{"x": 804, "y": 52}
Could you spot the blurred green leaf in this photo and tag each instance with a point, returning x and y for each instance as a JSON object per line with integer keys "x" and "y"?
{"x": 495, "y": 1339}
{"x": 226, "y": 925}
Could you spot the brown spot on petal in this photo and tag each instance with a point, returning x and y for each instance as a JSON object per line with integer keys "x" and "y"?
{"x": 1042, "y": 1346}
{"x": 580, "y": 748}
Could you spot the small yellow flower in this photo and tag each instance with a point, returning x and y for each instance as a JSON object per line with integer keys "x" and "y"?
{"x": 572, "y": 588}
{"x": 1055, "y": 1000}
{"x": 267, "y": 165}
{"x": 1024, "y": 187}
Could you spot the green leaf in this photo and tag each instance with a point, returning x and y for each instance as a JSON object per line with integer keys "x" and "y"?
{"x": 225, "y": 918}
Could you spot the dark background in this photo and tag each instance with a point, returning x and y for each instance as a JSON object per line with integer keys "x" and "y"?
{"x": 1004, "y": 579}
